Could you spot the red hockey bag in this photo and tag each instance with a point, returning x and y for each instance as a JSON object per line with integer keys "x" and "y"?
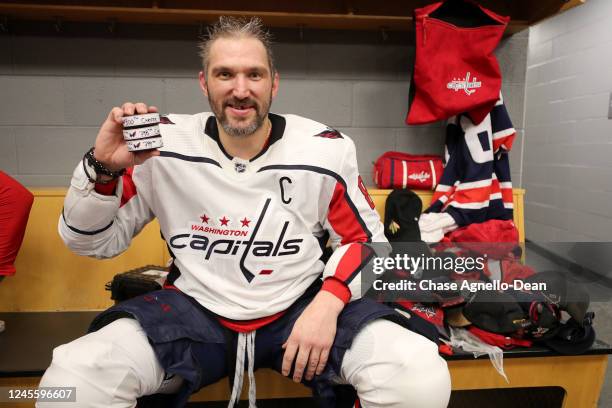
{"x": 402, "y": 170}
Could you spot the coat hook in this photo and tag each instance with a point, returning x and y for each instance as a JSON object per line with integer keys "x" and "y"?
{"x": 58, "y": 25}
{"x": 301, "y": 32}
{"x": 384, "y": 34}
{"x": 4, "y": 24}
{"x": 112, "y": 25}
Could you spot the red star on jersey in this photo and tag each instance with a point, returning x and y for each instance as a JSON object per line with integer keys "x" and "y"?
{"x": 224, "y": 221}
{"x": 204, "y": 218}
{"x": 245, "y": 222}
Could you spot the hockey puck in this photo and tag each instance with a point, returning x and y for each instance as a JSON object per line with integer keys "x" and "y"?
{"x": 141, "y": 132}
{"x": 147, "y": 119}
{"x": 144, "y": 144}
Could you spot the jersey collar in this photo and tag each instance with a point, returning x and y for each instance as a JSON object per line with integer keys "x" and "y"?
{"x": 278, "y": 129}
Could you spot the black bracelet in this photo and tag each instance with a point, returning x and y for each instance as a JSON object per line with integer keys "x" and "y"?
{"x": 99, "y": 167}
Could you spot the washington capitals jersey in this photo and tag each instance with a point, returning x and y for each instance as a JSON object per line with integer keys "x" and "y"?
{"x": 476, "y": 185}
{"x": 247, "y": 235}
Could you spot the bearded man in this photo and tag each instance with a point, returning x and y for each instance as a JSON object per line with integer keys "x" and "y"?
{"x": 247, "y": 201}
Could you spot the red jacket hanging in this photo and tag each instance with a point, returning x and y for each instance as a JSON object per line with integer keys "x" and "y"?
{"x": 15, "y": 204}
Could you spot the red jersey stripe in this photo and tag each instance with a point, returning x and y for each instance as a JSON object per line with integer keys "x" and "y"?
{"x": 245, "y": 326}
{"x": 240, "y": 326}
{"x": 343, "y": 218}
{"x": 106, "y": 189}
{"x": 472, "y": 195}
{"x": 337, "y": 288}
{"x": 350, "y": 263}
{"x": 129, "y": 188}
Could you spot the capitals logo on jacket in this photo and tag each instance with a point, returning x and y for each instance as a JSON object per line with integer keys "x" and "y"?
{"x": 458, "y": 38}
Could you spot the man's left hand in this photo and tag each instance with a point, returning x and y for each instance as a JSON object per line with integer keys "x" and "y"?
{"x": 312, "y": 337}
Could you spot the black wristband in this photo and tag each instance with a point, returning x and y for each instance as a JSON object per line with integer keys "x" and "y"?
{"x": 99, "y": 167}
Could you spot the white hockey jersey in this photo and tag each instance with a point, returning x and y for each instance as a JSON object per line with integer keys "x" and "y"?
{"x": 246, "y": 235}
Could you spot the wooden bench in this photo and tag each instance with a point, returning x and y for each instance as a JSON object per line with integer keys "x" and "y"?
{"x": 55, "y": 294}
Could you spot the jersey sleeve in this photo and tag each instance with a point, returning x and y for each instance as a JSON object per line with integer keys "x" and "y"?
{"x": 502, "y": 128}
{"x": 353, "y": 225}
{"x": 15, "y": 204}
{"x": 102, "y": 224}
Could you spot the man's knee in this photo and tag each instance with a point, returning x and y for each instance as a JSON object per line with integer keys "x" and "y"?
{"x": 393, "y": 367}
{"x": 109, "y": 368}
{"x": 422, "y": 380}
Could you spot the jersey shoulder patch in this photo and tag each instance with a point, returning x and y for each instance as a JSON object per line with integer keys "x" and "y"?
{"x": 329, "y": 133}
{"x": 165, "y": 120}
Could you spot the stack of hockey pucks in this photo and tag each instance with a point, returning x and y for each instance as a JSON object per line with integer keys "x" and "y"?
{"x": 141, "y": 132}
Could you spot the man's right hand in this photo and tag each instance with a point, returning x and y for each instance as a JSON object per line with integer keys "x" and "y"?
{"x": 110, "y": 148}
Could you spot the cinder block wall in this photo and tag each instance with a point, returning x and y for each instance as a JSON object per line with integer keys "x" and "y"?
{"x": 58, "y": 87}
{"x": 567, "y": 168}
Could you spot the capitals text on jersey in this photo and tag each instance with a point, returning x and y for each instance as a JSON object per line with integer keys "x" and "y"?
{"x": 231, "y": 247}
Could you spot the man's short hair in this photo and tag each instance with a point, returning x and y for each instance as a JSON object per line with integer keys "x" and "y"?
{"x": 235, "y": 27}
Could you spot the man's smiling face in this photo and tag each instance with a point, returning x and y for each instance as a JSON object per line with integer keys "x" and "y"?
{"x": 239, "y": 84}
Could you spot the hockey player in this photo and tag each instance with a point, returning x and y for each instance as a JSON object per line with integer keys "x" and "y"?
{"x": 246, "y": 200}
